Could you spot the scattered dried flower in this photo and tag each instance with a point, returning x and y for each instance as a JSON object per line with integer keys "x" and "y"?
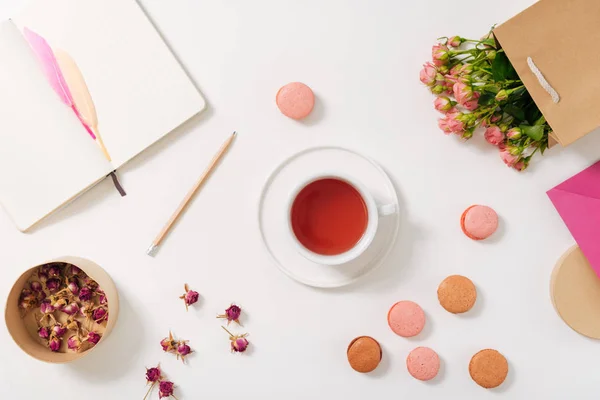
{"x": 165, "y": 389}
{"x": 44, "y": 332}
{"x": 94, "y": 338}
{"x": 74, "y": 343}
{"x": 53, "y": 284}
{"x": 189, "y": 297}
{"x": 54, "y": 344}
{"x": 59, "y": 330}
{"x": 36, "y": 286}
{"x": 183, "y": 350}
{"x": 85, "y": 294}
{"x": 99, "y": 315}
{"x": 232, "y": 314}
{"x": 239, "y": 343}
{"x": 168, "y": 344}
{"x": 153, "y": 375}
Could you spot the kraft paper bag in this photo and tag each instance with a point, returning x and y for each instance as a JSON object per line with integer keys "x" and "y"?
{"x": 562, "y": 37}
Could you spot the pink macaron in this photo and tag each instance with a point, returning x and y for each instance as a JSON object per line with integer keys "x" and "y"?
{"x": 423, "y": 363}
{"x": 295, "y": 100}
{"x": 406, "y": 318}
{"x": 479, "y": 222}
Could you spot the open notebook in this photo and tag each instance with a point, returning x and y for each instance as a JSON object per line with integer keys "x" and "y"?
{"x": 85, "y": 85}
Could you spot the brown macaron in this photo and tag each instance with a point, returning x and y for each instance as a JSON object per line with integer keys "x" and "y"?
{"x": 457, "y": 294}
{"x": 488, "y": 368}
{"x": 364, "y": 354}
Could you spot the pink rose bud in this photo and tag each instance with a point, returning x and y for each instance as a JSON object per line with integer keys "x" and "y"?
{"x": 189, "y": 297}
{"x": 472, "y": 105}
{"x": 99, "y": 314}
{"x": 440, "y": 54}
{"x": 85, "y": 294}
{"x": 438, "y": 89}
{"x": 54, "y": 271}
{"x": 153, "y": 374}
{"x": 455, "y": 41}
{"x": 73, "y": 287}
{"x": 168, "y": 344}
{"x": 443, "y": 124}
{"x": 520, "y": 166}
{"x": 443, "y": 104}
{"x": 463, "y": 93}
{"x": 493, "y": 135}
{"x": 232, "y": 314}
{"x": 514, "y": 133}
{"x": 36, "y": 286}
{"x": 239, "y": 345}
{"x": 71, "y": 309}
{"x": 165, "y": 389}
{"x": 101, "y": 297}
{"x": 428, "y": 74}
{"x": 44, "y": 332}
{"x": 54, "y": 344}
{"x": 59, "y": 330}
{"x": 508, "y": 158}
{"x": 89, "y": 282}
{"x": 53, "y": 284}
{"x": 74, "y": 343}
{"x": 93, "y": 338}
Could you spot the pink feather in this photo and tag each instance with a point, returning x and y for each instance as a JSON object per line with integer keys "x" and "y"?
{"x": 46, "y": 56}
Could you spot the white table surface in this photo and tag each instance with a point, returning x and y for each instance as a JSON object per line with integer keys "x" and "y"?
{"x": 362, "y": 59}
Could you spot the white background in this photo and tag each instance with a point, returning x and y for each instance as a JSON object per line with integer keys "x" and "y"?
{"x": 362, "y": 58}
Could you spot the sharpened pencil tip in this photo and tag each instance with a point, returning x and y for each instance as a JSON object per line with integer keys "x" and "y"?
{"x": 234, "y": 133}
{"x": 152, "y": 250}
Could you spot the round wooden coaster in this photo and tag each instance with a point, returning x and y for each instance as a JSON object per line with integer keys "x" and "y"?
{"x": 575, "y": 293}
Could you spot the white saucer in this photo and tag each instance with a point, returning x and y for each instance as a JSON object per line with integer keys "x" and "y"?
{"x": 272, "y": 214}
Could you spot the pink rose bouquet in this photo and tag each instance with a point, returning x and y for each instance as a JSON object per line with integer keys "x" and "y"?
{"x": 477, "y": 86}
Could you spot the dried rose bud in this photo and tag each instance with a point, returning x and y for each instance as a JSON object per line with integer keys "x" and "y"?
{"x": 53, "y": 284}
{"x": 101, "y": 296}
{"x": 27, "y": 300}
{"x": 36, "y": 286}
{"x": 42, "y": 276}
{"x": 58, "y": 304}
{"x": 59, "y": 330}
{"x": 183, "y": 350}
{"x": 99, "y": 314}
{"x": 153, "y": 374}
{"x": 189, "y": 297}
{"x": 232, "y": 314}
{"x": 165, "y": 389}
{"x": 73, "y": 325}
{"x": 71, "y": 309}
{"x": 239, "y": 343}
{"x": 74, "y": 343}
{"x": 89, "y": 282}
{"x": 54, "y": 271}
{"x": 44, "y": 332}
{"x": 73, "y": 287}
{"x": 54, "y": 344}
{"x": 74, "y": 271}
{"x": 46, "y": 307}
{"x": 169, "y": 344}
{"x": 85, "y": 294}
{"x": 93, "y": 338}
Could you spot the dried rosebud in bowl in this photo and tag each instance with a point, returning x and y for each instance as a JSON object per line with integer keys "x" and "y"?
{"x": 100, "y": 314}
{"x": 54, "y": 344}
{"x": 53, "y": 284}
{"x": 70, "y": 309}
{"x": 73, "y": 287}
{"x": 54, "y": 271}
{"x": 85, "y": 294}
{"x": 189, "y": 297}
{"x": 74, "y": 271}
{"x": 101, "y": 296}
{"x": 232, "y": 314}
{"x": 94, "y": 338}
{"x": 27, "y": 300}
{"x": 74, "y": 343}
{"x": 59, "y": 330}
{"x": 44, "y": 332}
{"x": 36, "y": 286}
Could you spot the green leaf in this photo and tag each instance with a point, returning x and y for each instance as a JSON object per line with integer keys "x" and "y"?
{"x": 502, "y": 69}
{"x": 543, "y": 146}
{"x": 489, "y": 42}
{"x": 532, "y": 113}
{"x": 540, "y": 121}
{"x": 535, "y": 132}
{"x": 486, "y": 99}
{"x": 514, "y": 111}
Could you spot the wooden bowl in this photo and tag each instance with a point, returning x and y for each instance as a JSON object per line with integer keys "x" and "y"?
{"x": 26, "y": 337}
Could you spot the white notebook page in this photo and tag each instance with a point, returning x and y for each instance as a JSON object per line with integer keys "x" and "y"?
{"x": 46, "y": 156}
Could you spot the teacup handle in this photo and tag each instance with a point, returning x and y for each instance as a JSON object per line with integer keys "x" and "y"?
{"x": 386, "y": 209}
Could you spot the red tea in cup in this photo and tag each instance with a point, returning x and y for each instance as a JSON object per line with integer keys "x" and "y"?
{"x": 329, "y": 216}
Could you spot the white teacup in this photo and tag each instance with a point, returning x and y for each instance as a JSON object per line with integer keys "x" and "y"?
{"x": 374, "y": 212}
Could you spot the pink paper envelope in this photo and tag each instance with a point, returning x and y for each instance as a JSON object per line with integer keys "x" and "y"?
{"x": 577, "y": 200}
